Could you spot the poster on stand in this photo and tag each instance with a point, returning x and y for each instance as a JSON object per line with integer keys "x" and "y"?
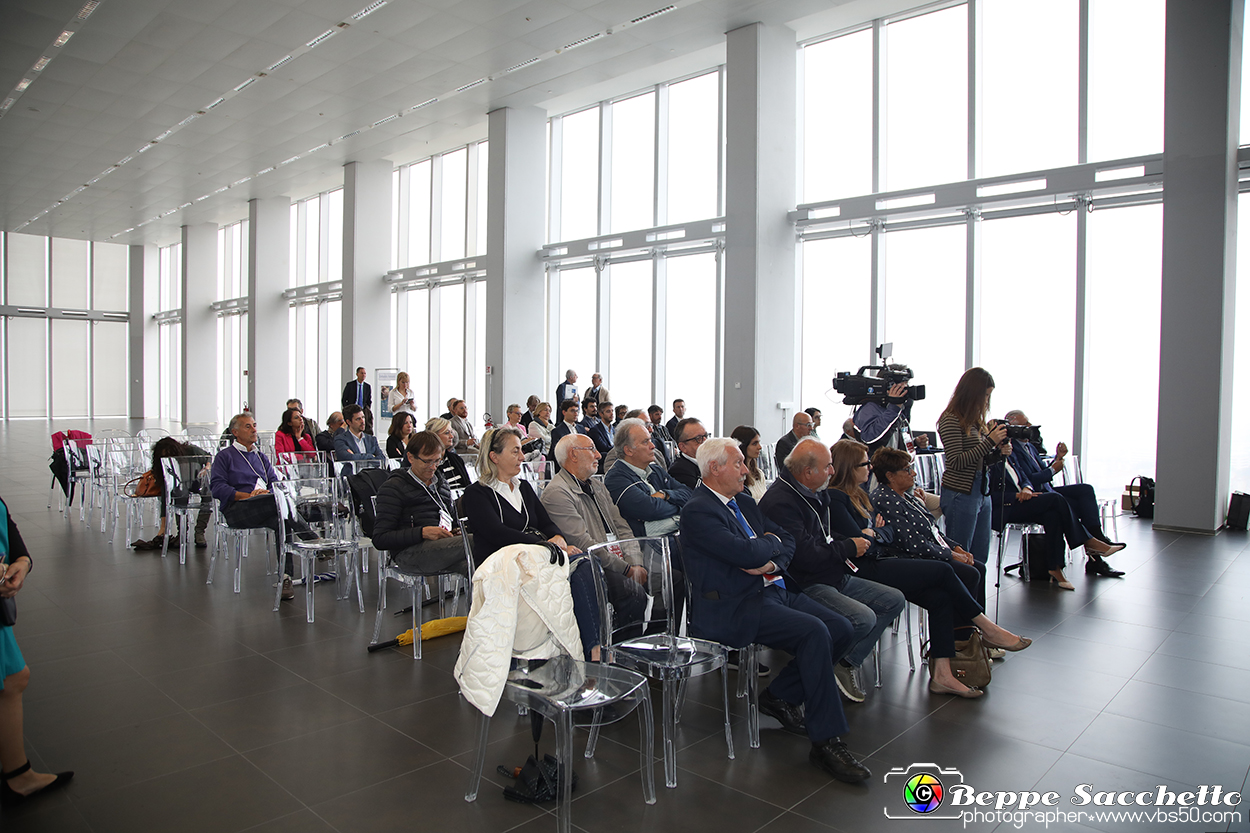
{"x": 386, "y": 381}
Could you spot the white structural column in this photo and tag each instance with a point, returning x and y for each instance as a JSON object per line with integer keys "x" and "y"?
{"x": 143, "y": 333}
{"x": 1202, "y": 91}
{"x": 268, "y": 273}
{"x": 761, "y": 332}
{"x": 514, "y": 275}
{"x": 199, "y": 323}
{"x": 366, "y": 257}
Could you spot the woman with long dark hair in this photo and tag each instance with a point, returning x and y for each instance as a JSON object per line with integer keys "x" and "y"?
{"x": 403, "y": 426}
{"x": 291, "y": 436}
{"x": 968, "y": 442}
{"x": 749, "y": 444}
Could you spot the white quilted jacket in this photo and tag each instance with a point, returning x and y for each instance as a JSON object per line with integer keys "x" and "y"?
{"x": 522, "y": 608}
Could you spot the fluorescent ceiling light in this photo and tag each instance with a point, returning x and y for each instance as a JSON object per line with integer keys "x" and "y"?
{"x": 85, "y": 11}
{"x": 245, "y": 84}
{"x": 23, "y": 84}
{"x": 655, "y": 13}
{"x": 40, "y": 64}
{"x": 279, "y": 63}
{"x": 63, "y": 38}
{"x": 369, "y": 9}
{"x": 328, "y": 33}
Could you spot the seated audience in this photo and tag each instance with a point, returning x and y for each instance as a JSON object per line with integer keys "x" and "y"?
{"x": 1026, "y": 461}
{"x": 324, "y": 441}
{"x": 291, "y": 435}
{"x": 530, "y": 445}
{"x": 800, "y": 427}
{"x": 242, "y": 480}
{"x": 353, "y": 443}
{"x": 1014, "y": 501}
{"x": 466, "y": 439}
{"x": 583, "y": 510}
{"x": 613, "y": 455}
{"x": 659, "y": 433}
{"x": 453, "y": 468}
{"x": 531, "y": 410}
{"x": 649, "y": 498}
{"x": 928, "y": 582}
{"x": 590, "y": 414}
{"x": 603, "y": 432}
{"x": 416, "y": 520}
{"x": 679, "y": 413}
{"x": 568, "y": 422}
{"x": 733, "y": 555}
{"x": 540, "y": 425}
{"x": 620, "y": 412}
{"x": 749, "y": 444}
{"x": 502, "y": 509}
{"x": 170, "y": 447}
{"x": 849, "y": 431}
{"x": 814, "y": 413}
{"x": 798, "y": 502}
{"x": 310, "y": 424}
{"x": 403, "y": 426}
{"x": 690, "y": 435}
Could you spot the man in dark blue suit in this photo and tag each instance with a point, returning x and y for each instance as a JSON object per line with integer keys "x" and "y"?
{"x": 734, "y": 558}
{"x": 602, "y": 433}
{"x": 568, "y": 423}
{"x": 1079, "y": 496}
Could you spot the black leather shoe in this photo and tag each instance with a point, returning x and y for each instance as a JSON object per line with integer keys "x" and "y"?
{"x": 10, "y": 797}
{"x": 834, "y": 758}
{"x": 1101, "y": 568}
{"x": 789, "y": 715}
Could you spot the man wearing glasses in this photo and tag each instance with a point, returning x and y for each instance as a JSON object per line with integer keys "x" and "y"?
{"x": 690, "y": 435}
{"x": 416, "y": 521}
{"x": 649, "y": 498}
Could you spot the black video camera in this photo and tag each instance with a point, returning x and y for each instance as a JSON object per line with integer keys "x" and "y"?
{"x": 871, "y": 383}
{"x": 1023, "y": 433}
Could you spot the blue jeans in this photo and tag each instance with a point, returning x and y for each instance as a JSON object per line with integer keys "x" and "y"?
{"x": 968, "y": 519}
{"x": 870, "y": 607}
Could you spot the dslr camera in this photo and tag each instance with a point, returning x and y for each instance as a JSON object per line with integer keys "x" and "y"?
{"x": 871, "y": 383}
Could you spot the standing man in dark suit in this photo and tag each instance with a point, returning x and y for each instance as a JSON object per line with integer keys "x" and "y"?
{"x": 358, "y": 392}
{"x": 690, "y": 434}
{"x": 679, "y": 413}
{"x": 734, "y": 558}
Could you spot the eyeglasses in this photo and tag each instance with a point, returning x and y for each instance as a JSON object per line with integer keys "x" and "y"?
{"x": 582, "y": 448}
{"x": 697, "y": 438}
{"x": 427, "y": 462}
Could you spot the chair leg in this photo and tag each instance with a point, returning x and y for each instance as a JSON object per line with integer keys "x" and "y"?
{"x": 911, "y": 653}
{"x": 646, "y": 754}
{"x": 475, "y": 774}
{"x": 724, "y": 694}
{"x": 309, "y": 566}
{"x": 876, "y": 661}
{"x": 564, "y": 741}
{"x": 753, "y": 703}
{"x": 669, "y": 728}
{"x": 416, "y": 624}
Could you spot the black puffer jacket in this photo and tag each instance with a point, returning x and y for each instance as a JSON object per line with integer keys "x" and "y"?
{"x": 404, "y": 507}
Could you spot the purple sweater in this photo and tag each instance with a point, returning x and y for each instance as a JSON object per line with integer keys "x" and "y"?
{"x": 234, "y": 471}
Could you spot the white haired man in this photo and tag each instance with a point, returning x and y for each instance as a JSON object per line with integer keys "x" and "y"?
{"x": 734, "y": 557}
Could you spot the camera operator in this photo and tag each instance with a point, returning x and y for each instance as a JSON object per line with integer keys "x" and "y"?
{"x": 881, "y": 424}
{"x": 1026, "y": 461}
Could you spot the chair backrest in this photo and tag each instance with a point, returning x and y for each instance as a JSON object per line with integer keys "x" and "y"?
{"x": 151, "y": 434}
{"x": 630, "y": 620}
{"x": 76, "y": 455}
{"x": 1071, "y": 473}
{"x": 363, "y": 488}
{"x": 183, "y": 479}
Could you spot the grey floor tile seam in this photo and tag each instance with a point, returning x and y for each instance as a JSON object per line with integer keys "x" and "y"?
{"x": 288, "y": 815}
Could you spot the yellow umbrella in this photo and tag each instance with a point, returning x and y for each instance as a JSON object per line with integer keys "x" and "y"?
{"x": 429, "y": 630}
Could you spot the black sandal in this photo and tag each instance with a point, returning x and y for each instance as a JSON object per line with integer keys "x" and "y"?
{"x": 10, "y": 796}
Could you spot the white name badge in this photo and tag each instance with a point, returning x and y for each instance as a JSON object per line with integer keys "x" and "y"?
{"x": 260, "y": 484}
{"x": 444, "y": 519}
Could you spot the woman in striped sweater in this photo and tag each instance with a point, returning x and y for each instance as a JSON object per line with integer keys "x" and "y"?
{"x": 967, "y": 442}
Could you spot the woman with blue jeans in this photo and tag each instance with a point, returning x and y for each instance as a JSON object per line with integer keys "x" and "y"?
{"x": 967, "y": 442}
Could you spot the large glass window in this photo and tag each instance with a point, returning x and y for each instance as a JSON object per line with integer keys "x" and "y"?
{"x": 1028, "y": 85}
{"x": 416, "y": 357}
{"x": 432, "y": 222}
{"x": 110, "y": 277}
{"x": 27, "y": 354}
{"x": 1126, "y": 78}
{"x": 70, "y": 368}
{"x": 1028, "y": 331}
{"x": 71, "y": 263}
{"x": 926, "y": 101}
{"x": 1240, "y": 475}
{"x": 26, "y": 270}
{"x": 454, "y": 202}
{"x": 837, "y": 117}
{"x": 579, "y": 175}
{"x": 925, "y": 298}
{"x": 693, "y": 150}
{"x": 836, "y": 301}
{"x": 579, "y": 329}
{"x": 418, "y": 214}
{"x": 1123, "y": 279}
{"x": 630, "y": 333}
{"x": 109, "y": 346}
{"x": 690, "y": 358}
{"x": 451, "y": 345}
{"x": 633, "y": 163}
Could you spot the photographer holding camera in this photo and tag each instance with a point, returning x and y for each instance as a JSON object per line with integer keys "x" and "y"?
{"x": 887, "y": 423}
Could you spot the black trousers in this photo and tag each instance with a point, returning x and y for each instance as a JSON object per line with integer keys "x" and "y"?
{"x": 940, "y": 587}
{"x": 1052, "y": 511}
{"x": 261, "y": 512}
{"x": 1084, "y": 504}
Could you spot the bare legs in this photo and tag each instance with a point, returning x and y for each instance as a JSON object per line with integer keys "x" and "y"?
{"x": 12, "y": 742}
{"x": 993, "y": 633}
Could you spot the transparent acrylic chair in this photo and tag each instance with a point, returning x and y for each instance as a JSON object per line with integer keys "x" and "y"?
{"x": 322, "y": 493}
{"x": 186, "y": 493}
{"x": 653, "y": 644}
{"x": 559, "y": 688}
{"x": 417, "y": 585}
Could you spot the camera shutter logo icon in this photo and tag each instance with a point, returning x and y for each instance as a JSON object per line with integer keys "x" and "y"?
{"x": 923, "y": 793}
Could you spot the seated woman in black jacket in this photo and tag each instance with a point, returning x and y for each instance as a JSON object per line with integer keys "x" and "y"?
{"x": 453, "y": 469}
{"x": 503, "y": 509}
{"x": 929, "y": 583}
{"x": 415, "y": 521}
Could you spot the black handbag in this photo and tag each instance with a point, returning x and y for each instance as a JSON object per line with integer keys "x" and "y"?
{"x": 8, "y": 612}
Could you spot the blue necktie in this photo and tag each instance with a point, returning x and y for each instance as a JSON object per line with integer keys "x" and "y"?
{"x": 742, "y": 521}
{"x": 772, "y": 578}
{"x": 360, "y": 394}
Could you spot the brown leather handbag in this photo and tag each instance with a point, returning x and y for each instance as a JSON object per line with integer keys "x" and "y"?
{"x": 971, "y": 663}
